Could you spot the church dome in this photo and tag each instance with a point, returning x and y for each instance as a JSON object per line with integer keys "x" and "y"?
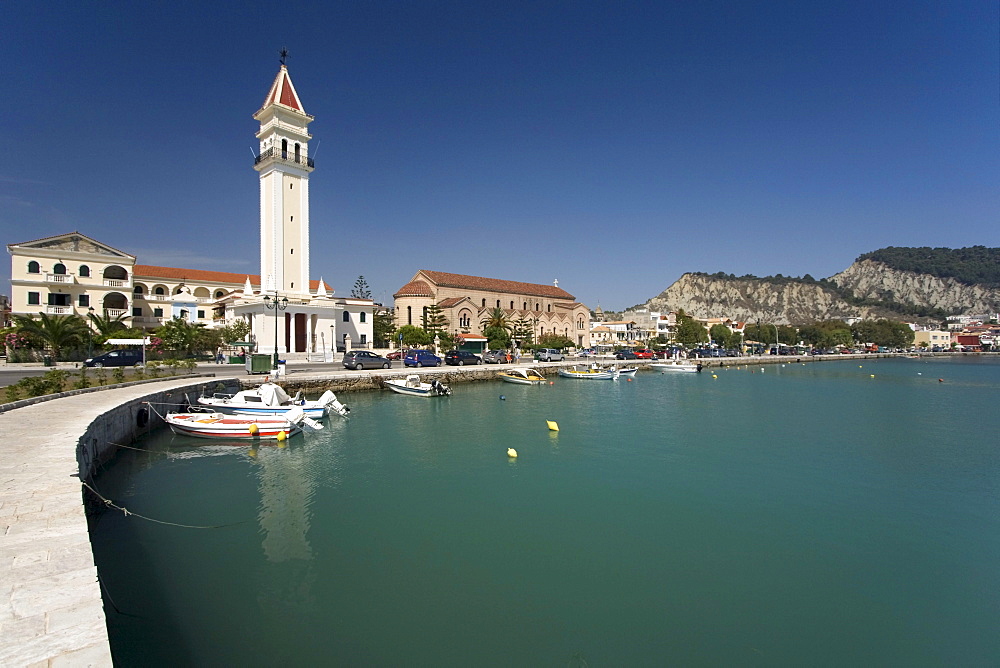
{"x": 415, "y": 289}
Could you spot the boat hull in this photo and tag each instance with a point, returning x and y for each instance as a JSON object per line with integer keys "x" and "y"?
{"x": 676, "y": 368}
{"x": 417, "y": 390}
{"x": 229, "y": 427}
{"x": 588, "y": 375}
{"x": 522, "y": 377}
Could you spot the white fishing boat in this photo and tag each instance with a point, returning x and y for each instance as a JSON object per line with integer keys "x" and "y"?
{"x": 628, "y": 371}
{"x": 522, "y": 376}
{"x": 674, "y": 366}
{"x": 271, "y": 399}
{"x": 589, "y": 373}
{"x": 241, "y": 427}
{"x": 415, "y": 388}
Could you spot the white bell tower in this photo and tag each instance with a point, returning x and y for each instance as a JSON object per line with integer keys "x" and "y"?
{"x": 284, "y": 165}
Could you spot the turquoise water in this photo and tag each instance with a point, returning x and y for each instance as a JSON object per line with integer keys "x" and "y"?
{"x": 787, "y": 515}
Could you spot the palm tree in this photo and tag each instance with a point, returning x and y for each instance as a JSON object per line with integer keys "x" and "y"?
{"x": 495, "y": 318}
{"x": 57, "y": 331}
{"x": 105, "y": 325}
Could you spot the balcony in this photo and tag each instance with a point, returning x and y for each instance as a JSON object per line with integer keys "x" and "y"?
{"x": 59, "y": 278}
{"x": 59, "y": 310}
{"x": 115, "y": 282}
{"x": 288, "y": 157}
{"x": 115, "y": 312}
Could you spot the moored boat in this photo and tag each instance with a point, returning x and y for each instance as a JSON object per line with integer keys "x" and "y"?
{"x": 271, "y": 399}
{"x": 224, "y": 426}
{"x": 676, "y": 366}
{"x": 415, "y": 388}
{"x": 589, "y": 373}
{"x": 522, "y": 376}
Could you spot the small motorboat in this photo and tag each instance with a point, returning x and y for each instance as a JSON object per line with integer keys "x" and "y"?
{"x": 590, "y": 373}
{"x": 415, "y": 388}
{"x": 271, "y": 399}
{"x": 625, "y": 370}
{"x": 676, "y": 365}
{"x": 223, "y": 426}
{"x": 522, "y": 376}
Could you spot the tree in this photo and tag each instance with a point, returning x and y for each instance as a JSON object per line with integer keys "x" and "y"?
{"x": 106, "y": 326}
{"x": 434, "y": 321}
{"x": 888, "y": 333}
{"x": 361, "y": 289}
{"x": 827, "y": 334}
{"x": 496, "y": 327}
{"x": 55, "y": 331}
{"x": 497, "y": 337}
{"x": 556, "y": 341}
{"x": 383, "y": 326}
{"x": 523, "y": 331}
{"x": 689, "y": 331}
{"x": 723, "y": 336}
{"x": 237, "y": 330}
{"x": 414, "y": 336}
{"x": 181, "y": 336}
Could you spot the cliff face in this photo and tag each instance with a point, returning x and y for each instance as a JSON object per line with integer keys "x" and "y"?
{"x": 874, "y": 280}
{"x": 750, "y": 300}
{"x": 797, "y": 302}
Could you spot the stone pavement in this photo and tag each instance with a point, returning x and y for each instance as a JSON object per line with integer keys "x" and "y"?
{"x": 51, "y": 612}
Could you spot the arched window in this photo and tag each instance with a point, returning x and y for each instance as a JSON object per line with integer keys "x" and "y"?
{"x": 512, "y": 305}
{"x": 524, "y": 306}
{"x": 59, "y": 268}
{"x": 219, "y": 294}
{"x": 362, "y": 315}
{"x": 284, "y": 149}
{"x": 33, "y": 268}
{"x": 158, "y": 291}
{"x": 84, "y": 271}
{"x": 409, "y": 315}
{"x": 296, "y": 151}
{"x": 347, "y": 316}
{"x": 549, "y": 308}
{"x": 484, "y": 298}
{"x": 536, "y": 306}
{"x": 137, "y": 290}
{"x": 498, "y": 303}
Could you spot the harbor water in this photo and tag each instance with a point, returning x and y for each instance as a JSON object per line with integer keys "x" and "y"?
{"x": 842, "y": 513}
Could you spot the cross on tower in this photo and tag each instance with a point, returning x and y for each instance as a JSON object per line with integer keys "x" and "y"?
{"x": 284, "y": 54}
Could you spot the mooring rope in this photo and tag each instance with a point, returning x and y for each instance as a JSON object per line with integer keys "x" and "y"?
{"x": 129, "y": 513}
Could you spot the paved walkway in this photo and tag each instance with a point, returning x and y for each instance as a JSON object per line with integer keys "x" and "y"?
{"x": 51, "y": 613}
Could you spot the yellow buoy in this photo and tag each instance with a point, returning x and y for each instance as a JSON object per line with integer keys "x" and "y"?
{"x": 714, "y": 376}
{"x": 512, "y": 453}
{"x": 281, "y": 436}
{"x": 552, "y": 425}
{"x": 253, "y": 428}
{"x": 873, "y": 375}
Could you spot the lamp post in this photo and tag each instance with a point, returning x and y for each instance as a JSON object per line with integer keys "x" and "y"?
{"x": 90, "y": 332}
{"x": 776, "y": 345}
{"x": 277, "y": 306}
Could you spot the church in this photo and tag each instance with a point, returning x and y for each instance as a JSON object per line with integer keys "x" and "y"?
{"x": 288, "y": 312}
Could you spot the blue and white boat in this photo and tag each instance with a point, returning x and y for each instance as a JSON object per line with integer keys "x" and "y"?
{"x": 271, "y": 399}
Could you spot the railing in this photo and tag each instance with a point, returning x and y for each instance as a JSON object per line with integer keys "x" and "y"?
{"x": 275, "y": 153}
{"x": 58, "y": 278}
{"x": 115, "y": 282}
{"x": 58, "y": 310}
{"x": 115, "y": 312}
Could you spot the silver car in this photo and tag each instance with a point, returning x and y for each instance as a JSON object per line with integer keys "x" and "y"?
{"x": 364, "y": 359}
{"x": 549, "y": 355}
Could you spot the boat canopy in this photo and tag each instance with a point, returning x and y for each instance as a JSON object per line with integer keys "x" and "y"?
{"x": 273, "y": 395}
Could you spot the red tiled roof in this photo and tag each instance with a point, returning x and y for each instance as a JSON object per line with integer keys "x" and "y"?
{"x": 451, "y": 301}
{"x": 415, "y": 289}
{"x": 148, "y": 271}
{"x": 283, "y": 92}
{"x": 496, "y": 285}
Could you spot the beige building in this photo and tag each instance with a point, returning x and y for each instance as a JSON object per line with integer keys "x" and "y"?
{"x": 465, "y": 300}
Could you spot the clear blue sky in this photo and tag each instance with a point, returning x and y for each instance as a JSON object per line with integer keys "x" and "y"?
{"x": 613, "y": 146}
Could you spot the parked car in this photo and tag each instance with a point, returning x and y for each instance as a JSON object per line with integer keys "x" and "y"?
{"x": 626, "y": 355}
{"x": 421, "y": 358}
{"x": 395, "y": 355}
{"x": 644, "y": 354}
{"x": 461, "y": 358}
{"x": 587, "y": 352}
{"x": 364, "y": 359}
{"x": 497, "y": 356}
{"x": 116, "y": 358}
{"x": 549, "y": 355}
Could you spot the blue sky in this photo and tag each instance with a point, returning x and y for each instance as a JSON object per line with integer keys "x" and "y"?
{"x": 612, "y": 146}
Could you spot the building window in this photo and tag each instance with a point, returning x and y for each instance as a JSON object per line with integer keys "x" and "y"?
{"x": 484, "y": 302}
{"x": 362, "y": 316}
{"x": 184, "y": 314}
{"x": 56, "y": 299}
{"x": 512, "y": 305}
{"x": 33, "y": 298}
{"x": 157, "y": 313}
{"x": 579, "y": 324}
{"x": 84, "y": 271}
{"x": 284, "y": 149}
{"x": 409, "y": 315}
{"x": 136, "y": 311}
{"x": 201, "y": 314}
{"x": 33, "y": 268}
{"x": 297, "y": 148}
{"x": 347, "y": 316}
{"x": 137, "y": 290}
{"x": 524, "y": 306}
{"x": 84, "y": 300}
{"x": 549, "y": 308}
{"x": 536, "y": 306}
{"x": 364, "y": 339}
{"x": 59, "y": 268}
{"x": 158, "y": 291}
{"x": 219, "y": 294}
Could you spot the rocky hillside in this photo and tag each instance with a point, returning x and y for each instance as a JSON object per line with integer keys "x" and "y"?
{"x": 869, "y": 288}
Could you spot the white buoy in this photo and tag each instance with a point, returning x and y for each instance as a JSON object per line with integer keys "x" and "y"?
{"x": 512, "y": 453}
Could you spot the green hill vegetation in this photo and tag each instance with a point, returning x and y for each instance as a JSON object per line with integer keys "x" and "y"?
{"x": 977, "y": 265}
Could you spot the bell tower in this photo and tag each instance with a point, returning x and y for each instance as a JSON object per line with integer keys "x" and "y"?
{"x": 284, "y": 166}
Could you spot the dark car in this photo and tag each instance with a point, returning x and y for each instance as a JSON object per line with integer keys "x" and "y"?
{"x": 421, "y": 358}
{"x": 363, "y": 359}
{"x": 461, "y": 358}
{"x": 116, "y": 358}
{"x": 496, "y": 356}
{"x": 626, "y": 355}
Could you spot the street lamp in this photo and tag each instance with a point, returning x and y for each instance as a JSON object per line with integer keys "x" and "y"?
{"x": 90, "y": 332}
{"x": 277, "y": 306}
{"x": 776, "y": 344}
